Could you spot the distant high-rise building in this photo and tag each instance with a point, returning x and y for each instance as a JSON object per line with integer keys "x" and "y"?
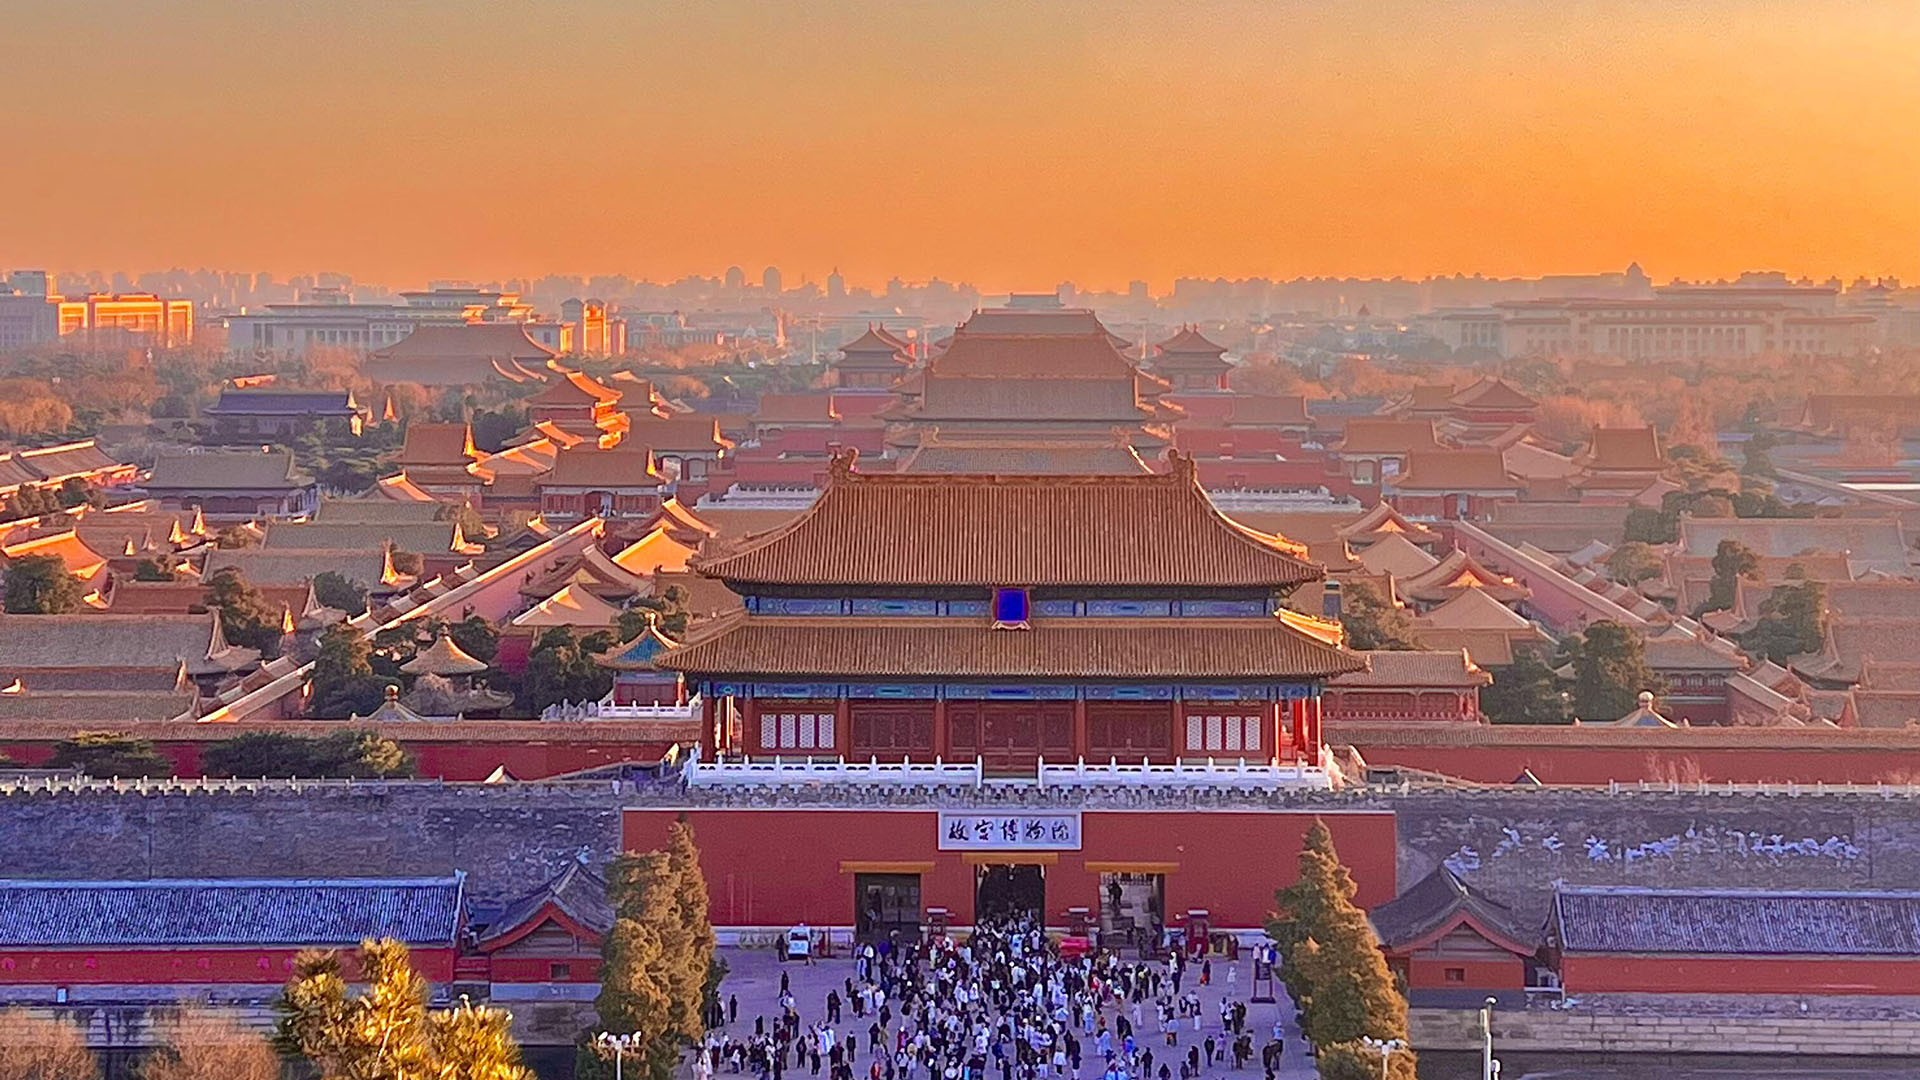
{"x": 770, "y": 280}
{"x": 836, "y": 285}
{"x": 32, "y": 282}
{"x": 736, "y": 279}
{"x": 1137, "y": 292}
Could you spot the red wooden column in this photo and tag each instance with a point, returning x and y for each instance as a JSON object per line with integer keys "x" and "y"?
{"x": 940, "y": 727}
{"x": 1297, "y": 715}
{"x": 1079, "y": 727}
{"x": 842, "y": 727}
{"x": 1311, "y": 712}
{"x": 709, "y": 740}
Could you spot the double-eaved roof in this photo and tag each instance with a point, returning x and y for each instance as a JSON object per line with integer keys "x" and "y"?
{"x": 892, "y": 529}
{"x": 907, "y": 648}
{"x": 217, "y": 912}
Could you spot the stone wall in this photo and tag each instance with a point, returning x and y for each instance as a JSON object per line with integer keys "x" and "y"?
{"x": 1516, "y": 843}
{"x": 1680, "y": 1031}
{"x": 508, "y": 838}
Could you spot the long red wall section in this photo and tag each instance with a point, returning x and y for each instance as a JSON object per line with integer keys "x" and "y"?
{"x": 1738, "y": 974}
{"x": 785, "y": 865}
{"x": 185, "y": 964}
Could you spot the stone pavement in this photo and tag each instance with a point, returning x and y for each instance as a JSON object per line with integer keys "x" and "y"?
{"x": 754, "y": 976}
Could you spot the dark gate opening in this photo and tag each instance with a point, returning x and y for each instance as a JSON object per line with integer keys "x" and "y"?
{"x": 1011, "y": 890}
{"x": 887, "y": 906}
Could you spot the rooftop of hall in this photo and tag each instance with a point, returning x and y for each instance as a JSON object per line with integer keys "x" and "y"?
{"x": 1151, "y": 530}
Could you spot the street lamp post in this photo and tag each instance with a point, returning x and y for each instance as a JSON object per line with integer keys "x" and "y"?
{"x": 620, "y": 1045}
{"x": 1489, "y": 1065}
{"x": 1386, "y": 1048}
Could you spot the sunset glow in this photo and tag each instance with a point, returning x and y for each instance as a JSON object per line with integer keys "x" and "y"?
{"x": 1012, "y": 143}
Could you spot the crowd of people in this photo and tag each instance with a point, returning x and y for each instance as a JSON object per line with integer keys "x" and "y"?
{"x": 1003, "y": 1004}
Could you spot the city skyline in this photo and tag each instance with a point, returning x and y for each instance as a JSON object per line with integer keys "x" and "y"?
{"x": 1010, "y": 146}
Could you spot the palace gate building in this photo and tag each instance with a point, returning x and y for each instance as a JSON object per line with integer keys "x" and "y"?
{"x": 953, "y": 694}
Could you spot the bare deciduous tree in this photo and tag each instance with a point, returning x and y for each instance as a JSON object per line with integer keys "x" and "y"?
{"x": 40, "y": 1048}
{"x": 201, "y": 1044}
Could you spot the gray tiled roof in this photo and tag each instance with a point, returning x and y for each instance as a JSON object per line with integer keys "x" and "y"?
{"x": 53, "y": 914}
{"x": 108, "y": 641}
{"x": 1741, "y": 923}
{"x": 240, "y": 470}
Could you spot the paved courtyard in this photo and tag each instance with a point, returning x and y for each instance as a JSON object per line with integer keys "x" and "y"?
{"x": 753, "y": 975}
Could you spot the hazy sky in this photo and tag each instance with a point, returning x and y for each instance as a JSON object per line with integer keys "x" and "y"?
{"x": 1012, "y": 143}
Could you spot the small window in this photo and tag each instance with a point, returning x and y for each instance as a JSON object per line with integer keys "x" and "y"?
{"x": 559, "y": 972}
{"x": 1456, "y": 975}
{"x": 1011, "y": 609}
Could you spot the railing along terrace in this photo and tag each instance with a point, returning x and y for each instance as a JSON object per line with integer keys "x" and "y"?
{"x": 1210, "y": 772}
{"x": 606, "y": 710}
{"x": 774, "y": 771}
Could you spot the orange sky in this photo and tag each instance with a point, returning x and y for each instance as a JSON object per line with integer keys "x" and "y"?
{"x": 1012, "y": 143}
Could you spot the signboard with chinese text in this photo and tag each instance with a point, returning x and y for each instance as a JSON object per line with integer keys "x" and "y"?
{"x": 1045, "y": 831}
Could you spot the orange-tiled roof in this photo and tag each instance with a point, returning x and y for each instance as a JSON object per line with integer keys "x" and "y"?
{"x": 1190, "y": 340}
{"x": 1370, "y": 435}
{"x": 1111, "y": 457}
{"x": 590, "y": 466}
{"x": 1430, "y": 397}
{"x": 872, "y": 347}
{"x": 507, "y": 341}
{"x": 796, "y": 409}
{"x": 1382, "y": 519}
{"x": 1058, "y": 649}
{"x": 1458, "y": 571}
{"x": 1473, "y": 609}
{"x": 889, "y": 528}
{"x": 80, "y": 560}
{"x": 1280, "y": 410}
{"x": 682, "y": 432}
{"x": 437, "y": 444}
{"x": 1396, "y": 555}
{"x": 1530, "y": 462}
{"x": 575, "y": 388}
{"x": 1005, "y": 399}
{"x": 993, "y": 355}
{"x": 1448, "y": 668}
{"x": 1454, "y": 470}
{"x": 1492, "y": 393}
{"x": 1636, "y": 449}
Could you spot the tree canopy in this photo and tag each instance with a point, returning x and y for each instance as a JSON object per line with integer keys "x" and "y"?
{"x": 1610, "y": 671}
{"x": 41, "y": 585}
{"x": 246, "y": 616}
{"x": 1373, "y": 623}
{"x": 1527, "y": 691}
{"x": 108, "y": 754}
{"x": 387, "y": 1032}
{"x": 282, "y": 755}
{"x": 561, "y": 668}
{"x": 343, "y": 678}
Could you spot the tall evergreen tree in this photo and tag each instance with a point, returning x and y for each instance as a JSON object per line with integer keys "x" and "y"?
{"x": 638, "y": 982}
{"x": 694, "y": 994}
{"x": 1333, "y": 965}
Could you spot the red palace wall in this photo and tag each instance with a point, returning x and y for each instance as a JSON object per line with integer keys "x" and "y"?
{"x": 81, "y": 967}
{"x": 1591, "y": 765}
{"x": 784, "y": 865}
{"x": 1738, "y": 975}
{"x": 527, "y": 759}
{"x": 1430, "y": 973}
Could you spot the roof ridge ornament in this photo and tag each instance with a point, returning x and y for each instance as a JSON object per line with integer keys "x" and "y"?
{"x": 841, "y": 466}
